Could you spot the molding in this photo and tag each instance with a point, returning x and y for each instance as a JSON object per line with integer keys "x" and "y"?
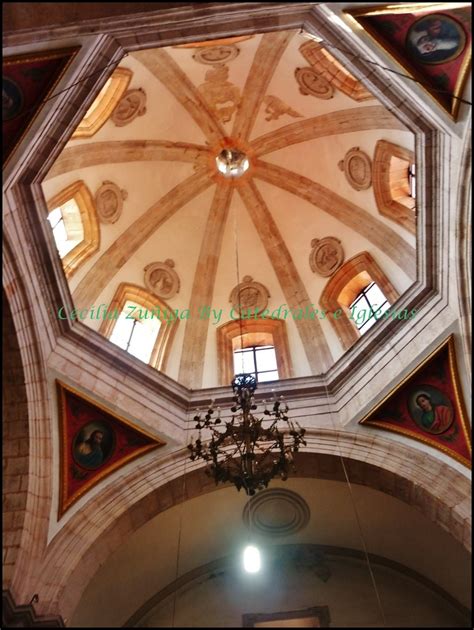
{"x": 24, "y": 615}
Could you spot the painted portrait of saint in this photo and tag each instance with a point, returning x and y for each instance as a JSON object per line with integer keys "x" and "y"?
{"x": 93, "y": 445}
{"x": 431, "y": 410}
{"x": 435, "y": 38}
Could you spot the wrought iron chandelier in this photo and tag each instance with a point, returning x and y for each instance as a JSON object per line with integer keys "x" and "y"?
{"x": 246, "y": 450}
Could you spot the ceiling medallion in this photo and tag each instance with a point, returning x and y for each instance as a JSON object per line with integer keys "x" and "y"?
{"x": 357, "y": 167}
{"x": 276, "y": 512}
{"x": 131, "y": 105}
{"x": 245, "y": 450}
{"x": 161, "y": 279}
{"x": 232, "y": 163}
{"x": 326, "y": 255}
{"x": 314, "y": 84}
{"x": 249, "y": 295}
{"x": 216, "y": 54}
{"x": 109, "y": 200}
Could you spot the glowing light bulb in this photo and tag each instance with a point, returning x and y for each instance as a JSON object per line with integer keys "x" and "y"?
{"x": 252, "y": 561}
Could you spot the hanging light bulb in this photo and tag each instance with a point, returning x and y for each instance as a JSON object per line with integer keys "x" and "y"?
{"x": 252, "y": 562}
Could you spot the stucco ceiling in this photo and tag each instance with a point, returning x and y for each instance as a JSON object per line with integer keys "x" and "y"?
{"x": 244, "y": 94}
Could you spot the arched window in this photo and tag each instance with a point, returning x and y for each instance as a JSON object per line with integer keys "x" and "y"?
{"x": 75, "y": 227}
{"x": 104, "y": 104}
{"x": 393, "y": 177}
{"x": 140, "y": 323}
{"x": 256, "y": 346}
{"x": 327, "y": 66}
{"x": 347, "y": 298}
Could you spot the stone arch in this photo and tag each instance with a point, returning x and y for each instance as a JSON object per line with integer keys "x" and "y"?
{"x": 33, "y": 540}
{"x": 15, "y": 445}
{"x": 97, "y": 529}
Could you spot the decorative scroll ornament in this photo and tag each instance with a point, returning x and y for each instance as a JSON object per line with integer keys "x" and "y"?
{"x": 326, "y": 256}
{"x": 161, "y": 279}
{"x": 312, "y": 83}
{"x": 357, "y": 167}
{"x": 109, "y": 200}
{"x": 216, "y": 54}
{"x": 131, "y": 105}
{"x": 249, "y": 295}
{"x": 221, "y": 95}
{"x": 275, "y": 108}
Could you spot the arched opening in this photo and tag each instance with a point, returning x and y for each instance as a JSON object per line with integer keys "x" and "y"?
{"x": 394, "y": 181}
{"x": 75, "y": 226}
{"x": 345, "y": 297}
{"x": 140, "y": 323}
{"x": 235, "y": 341}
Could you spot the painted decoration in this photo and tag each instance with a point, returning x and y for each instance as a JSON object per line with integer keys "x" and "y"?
{"x": 94, "y": 443}
{"x": 428, "y": 407}
{"x": 432, "y": 42}
{"x": 27, "y": 81}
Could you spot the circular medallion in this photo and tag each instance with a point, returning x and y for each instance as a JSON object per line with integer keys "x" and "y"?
{"x": 326, "y": 256}
{"x": 435, "y": 39}
{"x": 216, "y": 54}
{"x": 161, "y": 279}
{"x": 109, "y": 200}
{"x": 276, "y": 512}
{"x": 314, "y": 84}
{"x": 249, "y": 295}
{"x": 93, "y": 445}
{"x": 131, "y": 105}
{"x": 430, "y": 409}
{"x": 357, "y": 168}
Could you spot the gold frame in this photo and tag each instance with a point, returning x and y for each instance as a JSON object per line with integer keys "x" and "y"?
{"x": 459, "y": 405}
{"x": 81, "y": 194}
{"x": 402, "y": 62}
{"x": 39, "y": 56}
{"x": 66, "y": 502}
{"x": 90, "y": 125}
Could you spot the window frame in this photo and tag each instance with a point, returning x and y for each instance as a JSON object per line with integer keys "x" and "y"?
{"x": 342, "y": 289}
{"x": 232, "y": 330}
{"x": 144, "y": 299}
{"x": 91, "y": 124}
{"x": 80, "y": 193}
{"x": 254, "y": 349}
{"x": 393, "y": 205}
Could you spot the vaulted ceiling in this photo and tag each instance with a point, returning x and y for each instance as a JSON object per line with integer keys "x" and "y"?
{"x": 258, "y": 94}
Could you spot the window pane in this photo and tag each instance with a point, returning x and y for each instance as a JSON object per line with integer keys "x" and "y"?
{"x": 268, "y": 376}
{"x": 121, "y": 332}
{"x": 141, "y": 345}
{"x": 243, "y": 362}
{"x": 266, "y": 359}
{"x": 375, "y": 296}
{"x": 54, "y": 217}
{"x": 60, "y": 235}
